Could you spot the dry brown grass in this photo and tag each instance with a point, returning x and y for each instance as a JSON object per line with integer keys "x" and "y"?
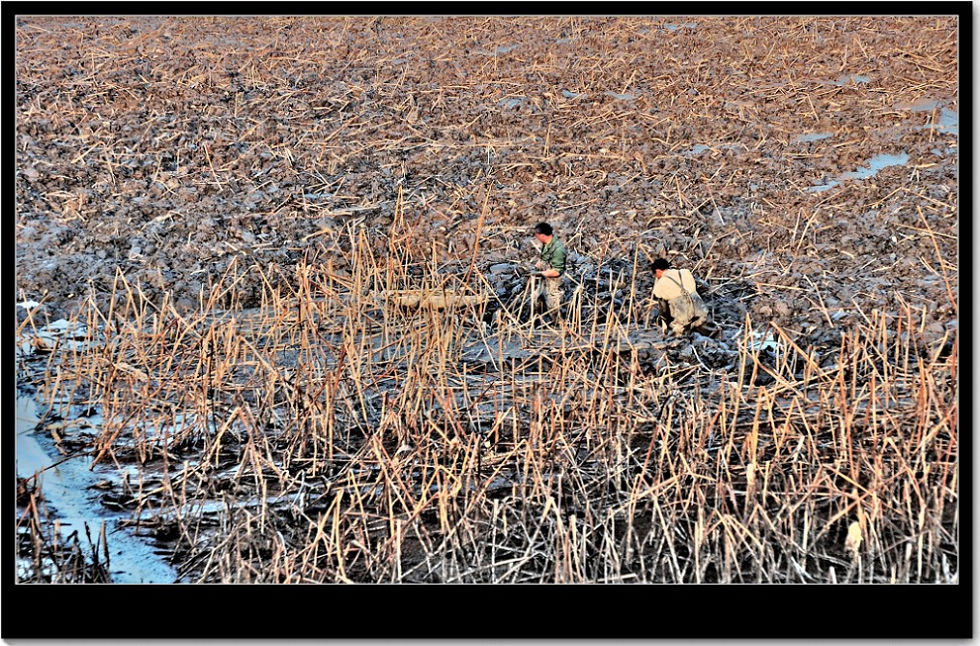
{"x": 329, "y": 437}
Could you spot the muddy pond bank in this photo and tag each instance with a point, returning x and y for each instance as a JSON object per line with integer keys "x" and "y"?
{"x": 70, "y": 493}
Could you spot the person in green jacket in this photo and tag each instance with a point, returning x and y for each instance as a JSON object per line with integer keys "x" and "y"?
{"x": 550, "y": 269}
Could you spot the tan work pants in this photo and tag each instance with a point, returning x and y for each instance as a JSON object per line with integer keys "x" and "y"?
{"x": 687, "y": 311}
{"x": 548, "y": 289}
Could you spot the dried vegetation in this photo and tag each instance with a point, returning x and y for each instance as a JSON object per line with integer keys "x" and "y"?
{"x": 220, "y": 207}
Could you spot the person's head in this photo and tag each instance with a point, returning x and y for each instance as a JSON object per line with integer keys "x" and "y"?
{"x": 543, "y": 232}
{"x": 659, "y": 266}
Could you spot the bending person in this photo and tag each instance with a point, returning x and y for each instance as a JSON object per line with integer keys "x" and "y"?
{"x": 680, "y": 304}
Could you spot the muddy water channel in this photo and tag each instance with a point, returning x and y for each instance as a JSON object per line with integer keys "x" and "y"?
{"x": 71, "y": 491}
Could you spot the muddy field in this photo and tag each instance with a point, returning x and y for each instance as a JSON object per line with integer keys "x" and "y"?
{"x": 213, "y": 213}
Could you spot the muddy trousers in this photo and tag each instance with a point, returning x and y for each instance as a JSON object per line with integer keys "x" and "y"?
{"x": 687, "y": 311}
{"x": 549, "y": 290}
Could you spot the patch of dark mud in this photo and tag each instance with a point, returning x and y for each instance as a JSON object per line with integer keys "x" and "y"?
{"x": 169, "y": 184}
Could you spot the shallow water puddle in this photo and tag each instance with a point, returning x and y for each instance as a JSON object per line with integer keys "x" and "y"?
{"x": 948, "y": 121}
{"x": 760, "y": 342}
{"x": 697, "y": 149}
{"x": 514, "y": 102}
{"x": 59, "y": 334}
{"x": 847, "y": 78}
{"x": 67, "y": 491}
{"x": 812, "y": 136}
{"x": 875, "y": 164}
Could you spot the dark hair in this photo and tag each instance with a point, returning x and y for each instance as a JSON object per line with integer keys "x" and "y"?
{"x": 660, "y": 263}
{"x": 543, "y": 228}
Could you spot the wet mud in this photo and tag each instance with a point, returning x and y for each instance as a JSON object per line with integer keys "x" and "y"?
{"x": 160, "y": 148}
{"x": 804, "y": 169}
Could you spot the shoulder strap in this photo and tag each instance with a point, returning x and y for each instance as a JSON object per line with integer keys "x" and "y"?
{"x": 674, "y": 280}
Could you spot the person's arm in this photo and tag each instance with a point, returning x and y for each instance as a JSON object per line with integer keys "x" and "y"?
{"x": 658, "y": 291}
{"x": 539, "y": 268}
